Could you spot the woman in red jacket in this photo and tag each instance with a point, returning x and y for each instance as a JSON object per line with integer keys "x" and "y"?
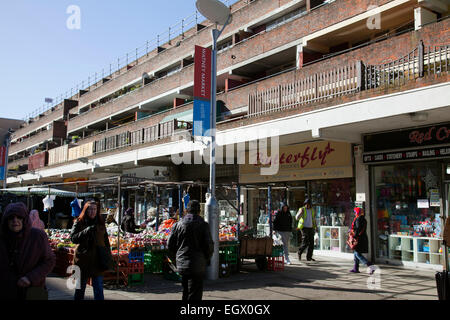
{"x": 25, "y": 254}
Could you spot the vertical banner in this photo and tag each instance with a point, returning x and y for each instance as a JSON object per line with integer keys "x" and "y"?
{"x": 202, "y": 91}
{"x": 2, "y": 162}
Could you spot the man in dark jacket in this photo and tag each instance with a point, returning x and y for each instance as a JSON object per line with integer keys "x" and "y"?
{"x": 283, "y": 225}
{"x": 128, "y": 224}
{"x": 192, "y": 244}
{"x": 25, "y": 254}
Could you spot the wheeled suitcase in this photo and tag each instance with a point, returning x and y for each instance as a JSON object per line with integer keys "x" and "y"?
{"x": 443, "y": 285}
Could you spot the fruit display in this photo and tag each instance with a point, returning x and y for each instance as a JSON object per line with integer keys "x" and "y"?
{"x": 227, "y": 233}
{"x": 59, "y": 238}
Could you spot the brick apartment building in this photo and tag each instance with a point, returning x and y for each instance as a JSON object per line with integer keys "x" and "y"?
{"x": 366, "y": 80}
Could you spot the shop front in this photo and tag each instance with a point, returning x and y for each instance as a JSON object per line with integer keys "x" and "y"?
{"x": 321, "y": 171}
{"x": 409, "y": 172}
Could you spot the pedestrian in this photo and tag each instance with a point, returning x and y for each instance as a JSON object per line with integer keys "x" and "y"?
{"x": 25, "y": 256}
{"x": 113, "y": 215}
{"x": 282, "y": 224}
{"x": 128, "y": 224}
{"x": 193, "y": 247}
{"x": 306, "y": 217}
{"x": 36, "y": 222}
{"x": 93, "y": 252}
{"x": 359, "y": 227}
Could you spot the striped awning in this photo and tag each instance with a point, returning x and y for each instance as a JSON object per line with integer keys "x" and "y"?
{"x": 41, "y": 191}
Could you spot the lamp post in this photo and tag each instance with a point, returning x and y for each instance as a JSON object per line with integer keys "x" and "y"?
{"x": 219, "y": 14}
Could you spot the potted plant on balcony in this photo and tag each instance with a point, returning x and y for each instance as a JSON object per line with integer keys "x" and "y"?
{"x": 75, "y": 139}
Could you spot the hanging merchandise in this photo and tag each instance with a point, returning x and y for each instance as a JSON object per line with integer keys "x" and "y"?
{"x": 76, "y": 207}
{"x": 186, "y": 199}
{"x": 48, "y": 202}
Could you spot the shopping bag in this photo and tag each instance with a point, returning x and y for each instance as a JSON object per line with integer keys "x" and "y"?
{"x": 443, "y": 285}
{"x": 446, "y": 233}
{"x": 352, "y": 242}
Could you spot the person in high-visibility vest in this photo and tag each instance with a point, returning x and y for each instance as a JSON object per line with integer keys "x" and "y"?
{"x": 306, "y": 217}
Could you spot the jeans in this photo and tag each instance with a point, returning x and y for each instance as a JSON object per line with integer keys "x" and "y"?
{"x": 307, "y": 242}
{"x": 192, "y": 286}
{"x": 97, "y": 285}
{"x": 285, "y": 237}
{"x": 359, "y": 257}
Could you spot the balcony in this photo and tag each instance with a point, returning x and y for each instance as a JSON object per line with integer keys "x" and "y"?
{"x": 56, "y": 133}
{"x": 43, "y": 120}
{"x": 134, "y": 99}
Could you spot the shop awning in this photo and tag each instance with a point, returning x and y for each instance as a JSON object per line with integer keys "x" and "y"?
{"x": 42, "y": 191}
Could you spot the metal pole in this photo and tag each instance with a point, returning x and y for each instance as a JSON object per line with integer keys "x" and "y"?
{"x": 145, "y": 203}
{"x": 180, "y": 201}
{"x": 157, "y": 208}
{"x": 119, "y": 208}
{"x": 211, "y": 208}
{"x": 28, "y": 199}
{"x": 269, "y": 208}
{"x": 7, "y": 141}
{"x": 48, "y": 219}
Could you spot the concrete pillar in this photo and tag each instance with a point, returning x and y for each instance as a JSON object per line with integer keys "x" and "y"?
{"x": 363, "y": 193}
{"x": 299, "y": 56}
{"x": 177, "y": 102}
{"x": 423, "y": 16}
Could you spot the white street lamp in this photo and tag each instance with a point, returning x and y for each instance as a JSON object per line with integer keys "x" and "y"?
{"x": 218, "y": 13}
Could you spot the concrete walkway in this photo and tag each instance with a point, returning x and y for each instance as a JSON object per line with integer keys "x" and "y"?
{"x": 325, "y": 279}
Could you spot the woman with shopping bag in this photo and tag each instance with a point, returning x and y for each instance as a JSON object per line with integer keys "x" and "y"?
{"x": 358, "y": 240}
{"x": 93, "y": 252}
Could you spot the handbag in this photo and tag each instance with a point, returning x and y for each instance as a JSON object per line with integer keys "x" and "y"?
{"x": 104, "y": 258}
{"x": 352, "y": 241}
{"x": 36, "y": 293}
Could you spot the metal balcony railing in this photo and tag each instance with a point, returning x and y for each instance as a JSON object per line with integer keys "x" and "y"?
{"x": 422, "y": 61}
{"x": 318, "y": 87}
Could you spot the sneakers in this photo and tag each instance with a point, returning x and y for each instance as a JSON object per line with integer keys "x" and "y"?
{"x": 288, "y": 262}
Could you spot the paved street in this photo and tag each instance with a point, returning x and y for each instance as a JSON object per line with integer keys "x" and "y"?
{"x": 325, "y": 279}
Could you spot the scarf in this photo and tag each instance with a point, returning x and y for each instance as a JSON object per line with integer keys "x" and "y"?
{"x": 357, "y": 212}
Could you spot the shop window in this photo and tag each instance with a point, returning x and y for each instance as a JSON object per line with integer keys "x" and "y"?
{"x": 407, "y": 198}
{"x": 333, "y": 203}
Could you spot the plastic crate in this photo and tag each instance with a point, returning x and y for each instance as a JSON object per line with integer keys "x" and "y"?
{"x": 275, "y": 263}
{"x": 135, "y": 268}
{"x": 228, "y": 254}
{"x": 277, "y": 251}
{"x": 136, "y": 256}
{"x": 153, "y": 261}
{"x": 135, "y": 279}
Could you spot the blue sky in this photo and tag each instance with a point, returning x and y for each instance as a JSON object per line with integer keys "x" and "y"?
{"x": 40, "y": 57}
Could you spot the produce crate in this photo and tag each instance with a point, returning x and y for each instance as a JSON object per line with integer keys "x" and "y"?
{"x": 153, "y": 261}
{"x": 228, "y": 254}
{"x": 135, "y": 267}
{"x": 275, "y": 263}
{"x": 277, "y": 251}
{"x": 136, "y": 256}
{"x": 135, "y": 279}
